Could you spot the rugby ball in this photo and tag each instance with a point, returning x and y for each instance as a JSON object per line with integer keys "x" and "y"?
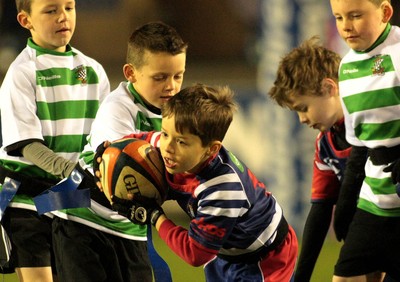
{"x": 133, "y": 166}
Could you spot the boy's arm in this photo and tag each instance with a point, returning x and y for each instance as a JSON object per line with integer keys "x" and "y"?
{"x": 178, "y": 240}
{"x": 349, "y": 191}
{"x": 315, "y": 230}
{"x": 46, "y": 159}
{"x": 147, "y": 211}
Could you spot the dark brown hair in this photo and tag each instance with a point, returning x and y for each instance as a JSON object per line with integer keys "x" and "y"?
{"x": 154, "y": 37}
{"x": 203, "y": 111}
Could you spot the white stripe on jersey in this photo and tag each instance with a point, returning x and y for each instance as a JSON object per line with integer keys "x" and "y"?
{"x": 322, "y": 166}
{"x": 267, "y": 235}
{"x": 225, "y": 178}
{"x": 82, "y": 126}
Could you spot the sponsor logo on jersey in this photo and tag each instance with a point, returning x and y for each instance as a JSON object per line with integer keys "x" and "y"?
{"x": 210, "y": 229}
{"x": 350, "y": 71}
{"x": 54, "y": 76}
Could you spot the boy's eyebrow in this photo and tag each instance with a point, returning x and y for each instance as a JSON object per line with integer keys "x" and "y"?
{"x": 295, "y": 107}
{"x": 348, "y": 12}
{"x": 178, "y": 135}
{"x": 167, "y": 73}
{"x": 72, "y": 2}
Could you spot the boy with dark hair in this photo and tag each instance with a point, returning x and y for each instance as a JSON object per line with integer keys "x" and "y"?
{"x": 237, "y": 229}
{"x": 116, "y": 248}
{"x": 48, "y": 99}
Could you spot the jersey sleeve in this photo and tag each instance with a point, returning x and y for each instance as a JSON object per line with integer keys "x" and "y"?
{"x": 177, "y": 238}
{"x": 112, "y": 122}
{"x": 325, "y": 182}
{"x": 104, "y": 84}
{"x": 18, "y": 105}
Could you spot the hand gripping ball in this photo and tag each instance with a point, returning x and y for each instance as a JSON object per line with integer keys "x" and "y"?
{"x": 133, "y": 166}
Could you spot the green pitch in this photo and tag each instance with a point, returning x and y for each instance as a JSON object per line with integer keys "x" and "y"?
{"x": 182, "y": 272}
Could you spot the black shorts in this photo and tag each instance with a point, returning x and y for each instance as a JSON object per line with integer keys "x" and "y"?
{"x": 31, "y": 238}
{"x": 86, "y": 254}
{"x": 372, "y": 244}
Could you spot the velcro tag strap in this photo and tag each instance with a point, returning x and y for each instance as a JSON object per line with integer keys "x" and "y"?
{"x": 7, "y": 193}
{"x": 64, "y": 195}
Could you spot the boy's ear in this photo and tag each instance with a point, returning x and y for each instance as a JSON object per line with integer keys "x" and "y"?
{"x": 23, "y": 19}
{"x": 387, "y": 11}
{"x": 329, "y": 86}
{"x": 129, "y": 73}
{"x": 214, "y": 148}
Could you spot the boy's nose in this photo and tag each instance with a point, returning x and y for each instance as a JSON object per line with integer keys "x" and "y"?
{"x": 302, "y": 117}
{"x": 170, "y": 84}
{"x": 346, "y": 25}
{"x": 63, "y": 16}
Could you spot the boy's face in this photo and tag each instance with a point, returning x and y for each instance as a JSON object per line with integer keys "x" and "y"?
{"x": 318, "y": 112}
{"x": 181, "y": 152}
{"x": 160, "y": 77}
{"x": 51, "y": 23}
{"x": 360, "y": 22}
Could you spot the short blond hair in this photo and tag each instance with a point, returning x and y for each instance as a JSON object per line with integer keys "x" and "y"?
{"x": 23, "y": 5}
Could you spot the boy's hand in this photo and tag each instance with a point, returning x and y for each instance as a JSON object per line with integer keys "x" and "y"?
{"x": 96, "y": 162}
{"x": 394, "y": 168}
{"x": 139, "y": 210}
{"x": 344, "y": 212}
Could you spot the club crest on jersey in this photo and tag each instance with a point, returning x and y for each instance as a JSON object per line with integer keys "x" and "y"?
{"x": 378, "y": 68}
{"x": 81, "y": 73}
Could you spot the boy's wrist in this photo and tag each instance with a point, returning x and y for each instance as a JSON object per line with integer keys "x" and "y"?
{"x": 159, "y": 221}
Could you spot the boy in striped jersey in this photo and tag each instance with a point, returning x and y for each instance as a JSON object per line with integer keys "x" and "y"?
{"x": 49, "y": 98}
{"x": 237, "y": 228}
{"x": 369, "y": 83}
{"x": 116, "y": 248}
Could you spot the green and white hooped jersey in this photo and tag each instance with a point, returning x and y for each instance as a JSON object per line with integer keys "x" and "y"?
{"x": 52, "y": 97}
{"x": 369, "y": 84}
{"x": 123, "y": 112}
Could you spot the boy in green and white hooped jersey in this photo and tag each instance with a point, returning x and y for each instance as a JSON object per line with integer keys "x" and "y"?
{"x": 48, "y": 99}
{"x": 154, "y": 69}
{"x": 369, "y": 86}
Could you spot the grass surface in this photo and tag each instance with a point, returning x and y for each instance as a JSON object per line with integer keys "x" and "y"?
{"x": 182, "y": 272}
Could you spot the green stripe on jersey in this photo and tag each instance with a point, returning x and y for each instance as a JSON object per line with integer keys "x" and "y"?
{"x": 42, "y": 51}
{"x": 63, "y": 76}
{"x": 66, "y": 143}
{"x": 371, "y": 66}
{"x": 378, "y": 131}
{"x": 368, "y": 100}
{"x": 26, "y": 169}
{"x": 374, "y": 209}
{"x": 67, "y": 109}
{"x": 127, "y": 228}
{"x": 144, "y": 123}
{"x": 382, "y": 186}
{"x": 88, "y": 157}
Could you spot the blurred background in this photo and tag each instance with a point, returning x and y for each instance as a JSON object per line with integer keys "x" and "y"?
{"x": 231, "y": 42}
